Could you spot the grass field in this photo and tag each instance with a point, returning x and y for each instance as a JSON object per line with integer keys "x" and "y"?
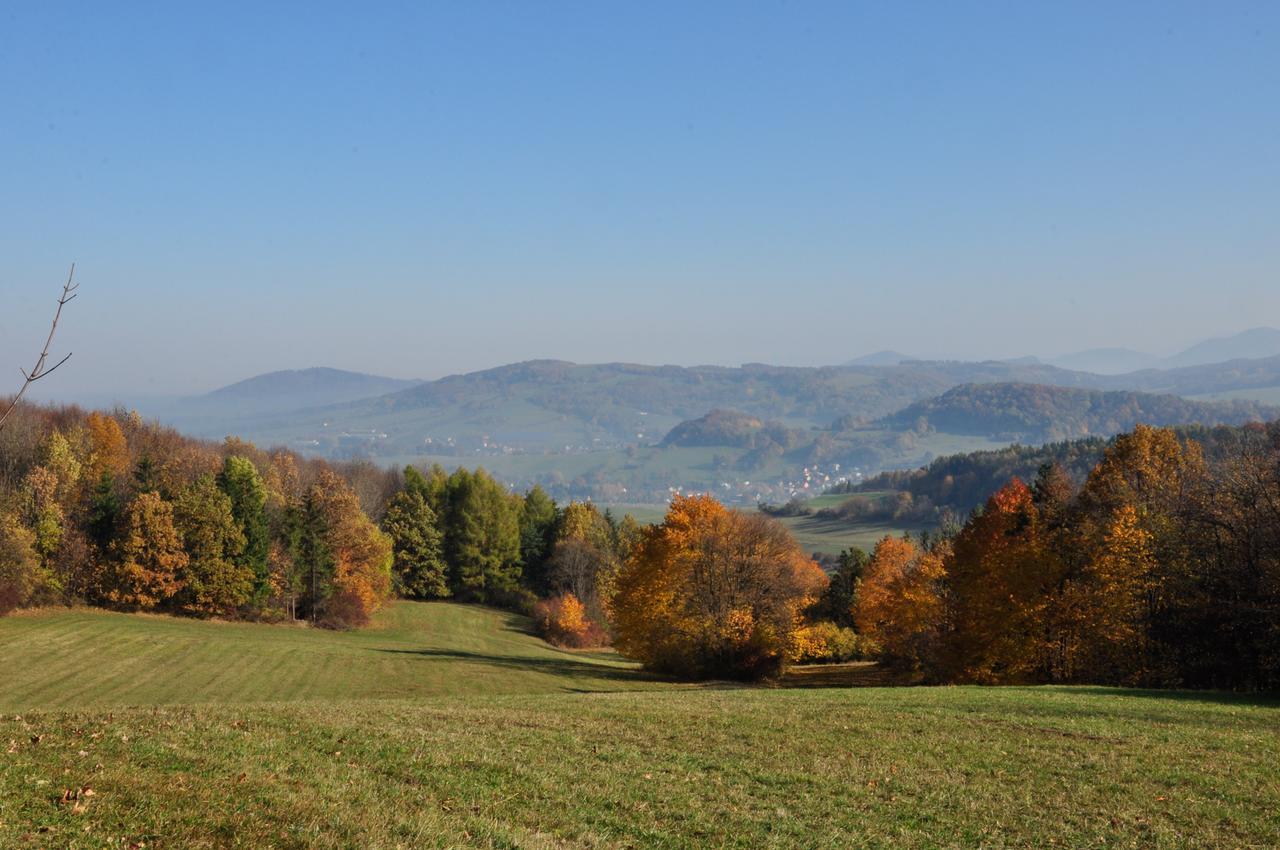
{"x": 550, "y": 750}
{"x": 94, "y": 658}
{"x": 1265, "y": 395}
{"x": 832, "y": 536}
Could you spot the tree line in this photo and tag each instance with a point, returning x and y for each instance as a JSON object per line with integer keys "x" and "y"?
{"x": 1161, "y": 569}
{"x": 107, "y": 509}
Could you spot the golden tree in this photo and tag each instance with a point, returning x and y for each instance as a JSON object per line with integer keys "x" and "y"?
{"x": 899, "y": 603}
{"x": 713, "y": 592}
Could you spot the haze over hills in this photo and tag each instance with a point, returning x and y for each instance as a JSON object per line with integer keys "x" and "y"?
{"x": 881, "y": 358}
{"x": 634, "y": 432}
{"x": 1107, "y": 361}
{"x": 1250, "y": 344}
{"x": 282, "y": 392}
{"x": 1246, "y": 345}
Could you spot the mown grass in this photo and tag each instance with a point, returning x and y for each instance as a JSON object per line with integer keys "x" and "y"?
{"x": 76, "y": 659}
{"x": 435, "y": 761}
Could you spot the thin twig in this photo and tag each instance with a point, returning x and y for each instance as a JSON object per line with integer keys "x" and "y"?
{"x": 40, "y": 370}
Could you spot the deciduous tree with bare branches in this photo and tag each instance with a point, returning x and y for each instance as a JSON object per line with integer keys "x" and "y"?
{"x": 42, "y": 368}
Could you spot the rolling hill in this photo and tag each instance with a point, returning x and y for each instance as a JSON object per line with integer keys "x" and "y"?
{"x": 556, "y": 406}
{"x": 446, "y": 726}
{"x": 635, "y": 433}
{"x": 1033, "y": 413}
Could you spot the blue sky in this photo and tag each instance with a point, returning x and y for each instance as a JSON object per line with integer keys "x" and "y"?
{"x": 424, "y": 188}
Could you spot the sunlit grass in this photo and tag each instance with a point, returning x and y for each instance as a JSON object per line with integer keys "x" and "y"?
{"x": 473, "y": 733}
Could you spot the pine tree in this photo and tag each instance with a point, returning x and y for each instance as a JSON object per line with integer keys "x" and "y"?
{"x": 419, "y": 568}
{"x": 242, "y": 484}
{"x": 104, "y": 512}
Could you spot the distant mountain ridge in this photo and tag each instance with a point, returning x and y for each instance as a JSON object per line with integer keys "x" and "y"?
{"x": 1252, "y": 344}
{"x": 317, "y": 380}
{"x": 881, "y": 358}
{"x": 1247, "y": 345}
{"x": 287, "y": 390}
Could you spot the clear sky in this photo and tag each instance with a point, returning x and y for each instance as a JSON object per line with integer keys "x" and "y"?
{"x": 423, "y": 188}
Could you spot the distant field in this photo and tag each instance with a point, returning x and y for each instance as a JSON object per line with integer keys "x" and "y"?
{"x": 814, "y": 534}
{"x": 1265, "y": 395}
{"x": 488, "y": 739}
{"x": 832, "y": 536}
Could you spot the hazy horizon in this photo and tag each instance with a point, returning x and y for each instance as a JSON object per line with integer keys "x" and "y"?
{"x": 426, "y": 192}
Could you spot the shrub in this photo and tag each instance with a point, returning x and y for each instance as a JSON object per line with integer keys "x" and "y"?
{"x": 563, "y": 621}
{"x": 826, "y": 642}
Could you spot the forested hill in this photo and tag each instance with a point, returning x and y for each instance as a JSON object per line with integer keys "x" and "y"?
{"x": 595, "y": 392}
{"x": 1035, "y": 413}
{"x": 956, "y": 484}
{"x": 732, "y": 428}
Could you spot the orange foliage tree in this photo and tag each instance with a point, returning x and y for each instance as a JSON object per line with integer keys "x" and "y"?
{"x": 361, "y": 554}
{"x": 713, "y": 592}
{"x": 1000, "y": 574}
{"x": 899, "y": 603}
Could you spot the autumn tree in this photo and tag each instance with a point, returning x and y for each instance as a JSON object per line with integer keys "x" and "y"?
{"x": 1000, "y": 575}
{"x": 108, "y": 449}
{"x": 1136, "y": 501}
{"x": 899, "y": 605}
{"x": 22, "y": 577}
{"x": 216, "y": 580}
{"x": 351, "y": 566}
{"x": 563, "y": 621}
{"x": 150, "y": 559}
{"x": 44, "y": 514}
{"x": 713, "y": 592}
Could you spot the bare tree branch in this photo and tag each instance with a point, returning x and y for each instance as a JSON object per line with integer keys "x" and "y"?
{"x": 41, "y": 369}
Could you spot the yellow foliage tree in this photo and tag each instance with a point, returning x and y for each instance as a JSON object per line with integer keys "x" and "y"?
{"x": 151, "y": 559}
{"x": 713, "y": 592}
{"x": 108, "y": 448}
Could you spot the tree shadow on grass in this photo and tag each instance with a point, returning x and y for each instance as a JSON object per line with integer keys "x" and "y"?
{"x": 567, "y": 667}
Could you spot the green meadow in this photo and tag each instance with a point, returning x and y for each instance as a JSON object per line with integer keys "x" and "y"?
{"x": 451, "y": 726}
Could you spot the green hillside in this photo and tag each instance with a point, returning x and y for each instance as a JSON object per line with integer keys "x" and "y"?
{"x": 446, "y": 726}
{"x": 83, "y": 658}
